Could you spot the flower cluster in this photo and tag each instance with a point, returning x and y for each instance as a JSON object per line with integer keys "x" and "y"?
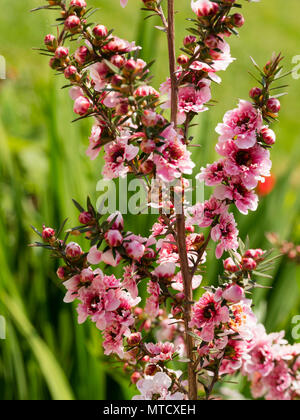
{"x": 232, "y": 341}
{"x": 219, "y": 334}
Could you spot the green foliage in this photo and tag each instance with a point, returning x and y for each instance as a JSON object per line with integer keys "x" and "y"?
{"x": 43, "y": 166}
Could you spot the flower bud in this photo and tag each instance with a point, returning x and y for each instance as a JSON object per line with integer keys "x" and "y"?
{"x": 135, "y": 377}
{"x": 73, "y": 23}
{"x": 150, "y": 4}
{"x": 87, "y": 275}
{"x": 117, "y": 60}
{"x": 249, "y": 264}
{"x": 81, "y": 105}
{"x": 134, "y": 339}
{"x": 255, "y": 93}
{"x": 78, "y": 4}
{"x": 205, "y": 8}
{"x": 237, "y": 20}
{"x": 51, "y": 42}
{"x": 268, "y": 135}
{"x": 151, "y": 370}
{"x": 230, "y": 266}
{"x": 146, "y": 91}
{"x": 100, "y": 31}
{"x": 189, "y": 40}
{"x": 85, "y": 218}
{"x": 147, "y": 167}
{"x": 256, "y": 254}
{"x": 211, "y": 41}
{"x": 114, "y": 238}
{"x": 273, "y": 105}
{"x": 73, "y": 251}
{"x": 71, "y": 72}
{"x": 118, "y": 220}
{"x": 146, "y": 358}
{"x": 61, "y": 53}
{"x": 182, "y": 59}
{"x": 48, "y": 233}
{"x": 61, "y": 273}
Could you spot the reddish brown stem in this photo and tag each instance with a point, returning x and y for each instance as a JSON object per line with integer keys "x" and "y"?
{"x": 180, "y": 220}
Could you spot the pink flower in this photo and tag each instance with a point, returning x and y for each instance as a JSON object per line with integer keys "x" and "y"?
{"x": 95, "y": 142}
{"x": 99, "y": 301}
{"x": 192, "y": 100}
{"x": 173, "y": 158}
{"x": 123, "y": 2}
{"x": 208, "y": 314}
{"x": 130, "y": 280}
{"x": 250, "y": 165}
{"x": 213, "y": 174}
{"x": 244, "y": 199}
{"x": 98, "y": 72}
{"x": 226, "y": 233}
{"x": 117, "y": 154}
{"x": 152, "y": 303}
{"x": 160, "y": 352}
{"x": 235, "y": 353}
{"x": 157, "y": 386}
{"x": 72, "y": 286}
{"x": 279, "y": 382}
{"x": 233, "y": 293}
{"x": 222, "y": 58}
{"x": 241, "y": 125}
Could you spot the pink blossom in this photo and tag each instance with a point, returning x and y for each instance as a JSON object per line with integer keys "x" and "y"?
{"x": 157, "y": 386}
{"x": 117, "y": 154}
{"x": 235, "y": 191}
{"x": 160, "y": 352}
{"x": 98, "y": 72}
{"x": 208, "y": 314}
{"x": 95, "y": 142}
{"x": 173, "y": 158}
{"x": 94, "y": 255}
{"x": 222, "y": 58}
{"x": 130, "y": 280}
{"x": 250, "y": 165}
{"x": 123, "y": 2}
{"x": 233, "y": 293}
{"x": 192, "y": 100}
{"x": 241, "y": 125}
{"x": 72, "y": 286}
{"x": 226, "y": 233}
{"x": 213, "y": 174}
{"x": 152, "y": 303}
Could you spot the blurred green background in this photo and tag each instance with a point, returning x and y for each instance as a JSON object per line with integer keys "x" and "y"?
{"x": 43, "y": 166}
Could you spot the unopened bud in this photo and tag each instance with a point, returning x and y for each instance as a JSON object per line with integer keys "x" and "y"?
{"x": 273, "y": 105}
{"x": 73, "y": 251}
{"x": 134, "y": 339}
{"x": 48, "y": 233}
{"x": 100, "y": 31}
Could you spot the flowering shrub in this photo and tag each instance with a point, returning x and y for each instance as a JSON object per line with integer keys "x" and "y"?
{"x": 219, "y": 334}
